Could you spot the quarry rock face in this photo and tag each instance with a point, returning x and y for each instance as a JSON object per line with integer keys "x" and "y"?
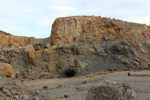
{"x": 90, "y": 44}
{"x": 6, "y": 38}
{"x": 67, "y": 30}
{"x": 112, "y": 91}
{"x": 83, "y": 44}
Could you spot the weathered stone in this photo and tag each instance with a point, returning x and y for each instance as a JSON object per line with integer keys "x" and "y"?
{"x": 2, "y": 58}
{"x": 98, "y": 44}
{"x": 4, "y": 33}
{"x": 8, "y": 71}
{"x": 112, "y": 91}
{"x": 85, "y": 44}
{"x": 26, "y": 97}
{"x": 8, "y": 39}
{"x": 6, "y": 92}
{"x": 29, "y": 47}
{"x": 22, "y": 92}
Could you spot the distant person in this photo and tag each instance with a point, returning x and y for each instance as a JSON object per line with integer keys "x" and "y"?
{"x": 129, "y": 74}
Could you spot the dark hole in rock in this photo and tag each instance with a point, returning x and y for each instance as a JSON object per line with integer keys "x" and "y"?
{"x": 70, "y": 73}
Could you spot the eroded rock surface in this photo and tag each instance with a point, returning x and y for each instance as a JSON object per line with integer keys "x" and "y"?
{"x": 5, "y": 40}
{"x": 8, "y": 39}
{"x": 80, "y": 45}
{"x": 112, "y": 91}
{"x": 85, "y": 44}
{"x": 6, "y": 70}
{"x": 4, "y": 33}
{"x": 89, "y": 44}
{"x": 15, "y": 90}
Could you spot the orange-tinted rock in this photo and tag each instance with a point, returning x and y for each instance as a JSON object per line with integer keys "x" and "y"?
{"x": 84, "y": 44}
{"x": 8, "y": 71}
{"x": 5, "y": 40}
{"x": 4, "y": 33}
{"x": 67, "y": 30}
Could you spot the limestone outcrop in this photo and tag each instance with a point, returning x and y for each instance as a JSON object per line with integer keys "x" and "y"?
{"x": 94, "y": 43}
{"x": 8, "y": 39}
{"x": 6, "y": 70}
{"x": 67, "y": 30}
{"x": 85, "y": 44}
{"x": 112, "y": 91}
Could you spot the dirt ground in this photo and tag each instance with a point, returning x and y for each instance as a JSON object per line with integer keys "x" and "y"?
{"x": 76, "y": 88}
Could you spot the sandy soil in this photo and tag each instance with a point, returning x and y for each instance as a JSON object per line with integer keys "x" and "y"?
{"x": 76, "y": 88}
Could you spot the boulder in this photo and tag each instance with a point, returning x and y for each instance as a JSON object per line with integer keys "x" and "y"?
{"x": 8, "y": 71}
{"x": 112, "y": 91}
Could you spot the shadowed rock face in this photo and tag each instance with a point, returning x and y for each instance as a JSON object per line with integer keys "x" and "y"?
{"x": 83, "y": 44}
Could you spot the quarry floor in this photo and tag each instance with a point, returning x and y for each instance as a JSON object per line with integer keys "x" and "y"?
{"x": 76, "y": 88}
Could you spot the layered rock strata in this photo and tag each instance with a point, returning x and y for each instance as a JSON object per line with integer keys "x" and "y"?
{"x": 85, "y": 44}
{"x": 12, "y": 40}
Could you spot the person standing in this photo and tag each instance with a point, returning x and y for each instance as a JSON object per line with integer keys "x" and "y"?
{"x": 129, "y": 73}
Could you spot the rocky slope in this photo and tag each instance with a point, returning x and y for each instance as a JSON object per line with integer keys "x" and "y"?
{"x": 4, "y": 33}
{"x": 16, "y": 90}
{"x": 78, "y": 88}
{"x": 7, "y": 39}
{"x": 80, "y": 45}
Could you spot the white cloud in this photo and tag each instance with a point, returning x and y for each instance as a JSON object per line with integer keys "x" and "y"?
{"x": 63, "y": 8}
{"x": 33, "y": 17}
{"x": 141, "y": 19}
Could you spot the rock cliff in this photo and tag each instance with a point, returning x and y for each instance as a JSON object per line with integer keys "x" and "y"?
{"x": 6, "y": 39}
{"x": 91, "y": 44}
{"x": 67, "y": 30}
{"x": 83, "y": 45}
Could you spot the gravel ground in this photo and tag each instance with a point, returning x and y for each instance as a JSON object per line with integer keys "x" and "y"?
{"x": 76, "y": 88}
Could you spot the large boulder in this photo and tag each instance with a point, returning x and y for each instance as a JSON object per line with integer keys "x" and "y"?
{"x": 112, "y": 91}
{"x": 6, "y": 70}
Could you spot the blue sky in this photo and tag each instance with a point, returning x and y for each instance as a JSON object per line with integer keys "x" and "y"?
{"x": 35, "y": 17}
